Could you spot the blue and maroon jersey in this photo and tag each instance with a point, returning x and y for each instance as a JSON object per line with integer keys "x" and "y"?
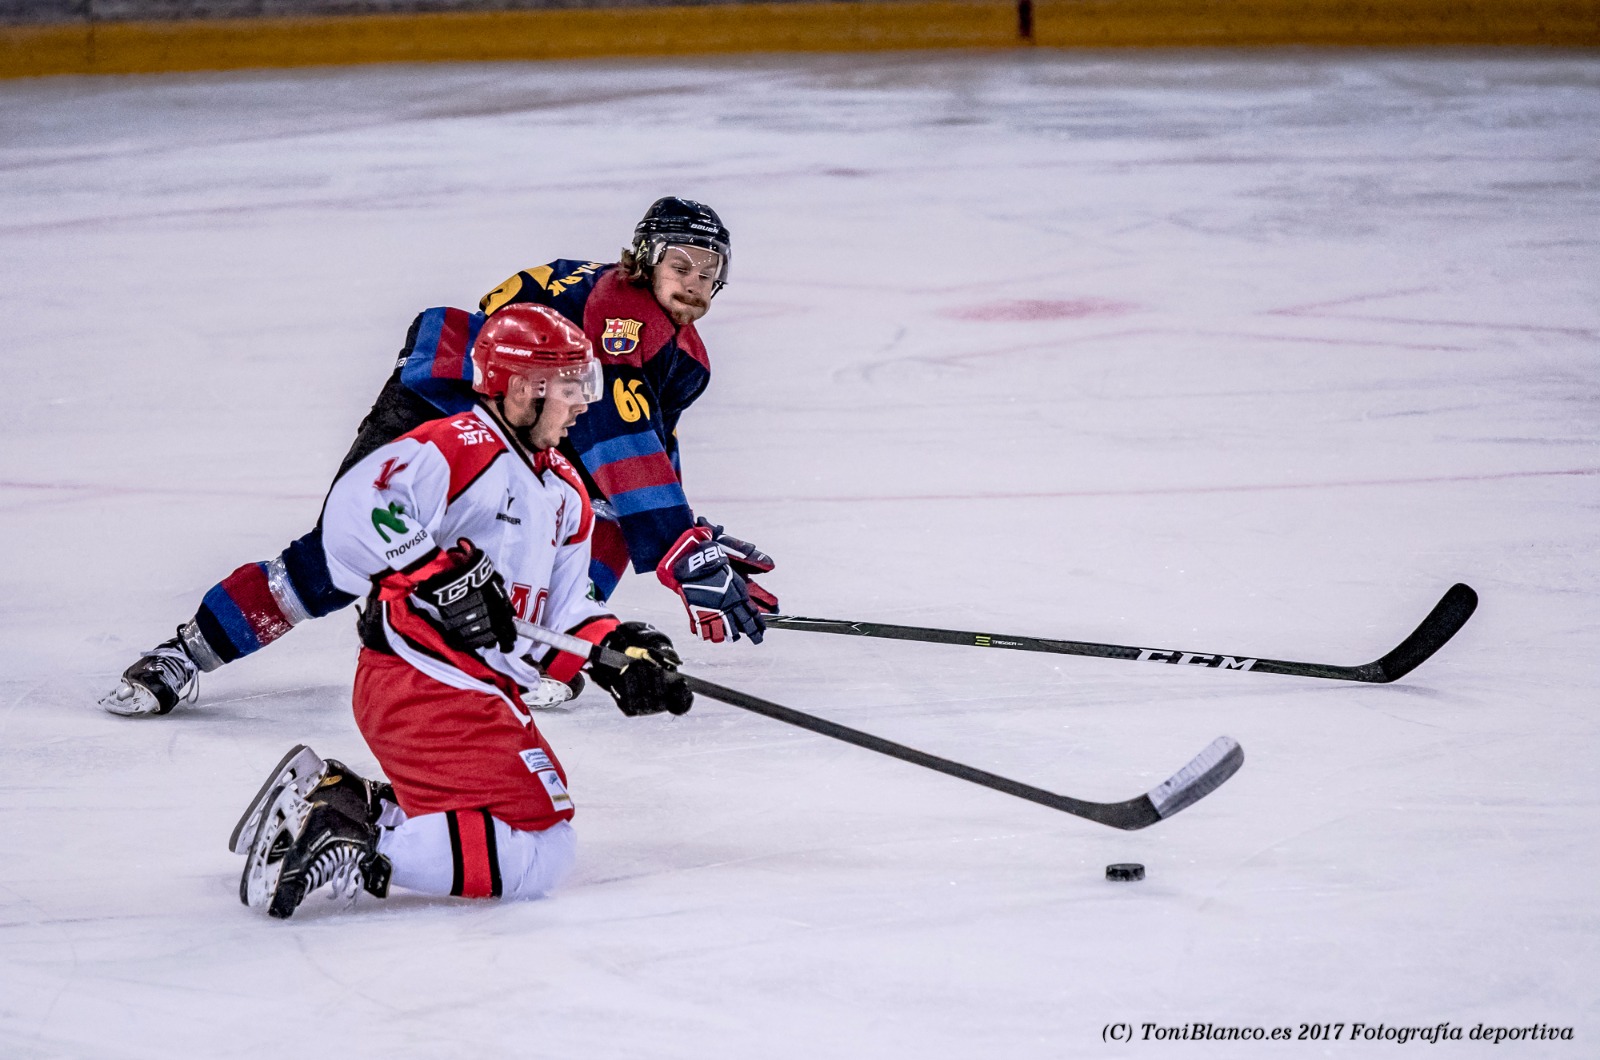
{"x": 437, "y": 364}
{"x": 625, "y": 445}
{"x": 564, "y": 285}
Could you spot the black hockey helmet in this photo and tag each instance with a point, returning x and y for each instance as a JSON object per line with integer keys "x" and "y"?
{"x": 684, "y": 222}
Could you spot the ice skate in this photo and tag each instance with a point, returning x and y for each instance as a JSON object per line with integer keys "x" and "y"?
{"x": 327, "y": 838}
{"x": 281, "y": 820}
{"x": 300, "y": 769}
{"x": 551, "y": 694}
{"x": 360, "y": 799}
{"x": 159, "y": 680}
{"x": 303, "y": 769}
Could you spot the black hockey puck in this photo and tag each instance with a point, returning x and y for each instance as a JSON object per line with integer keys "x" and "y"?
{"x": 1125, "y": 870}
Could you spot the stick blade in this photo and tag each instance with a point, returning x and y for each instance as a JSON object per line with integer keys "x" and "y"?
{"x": 1442, "y": 623}
{"x": 1204, "y": 774}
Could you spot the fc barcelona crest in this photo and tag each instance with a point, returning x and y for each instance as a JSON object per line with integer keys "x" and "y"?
{"x": 620, "y": 336}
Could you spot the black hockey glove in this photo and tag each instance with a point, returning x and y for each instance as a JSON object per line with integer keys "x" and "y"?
{"x": 649, "y": 683}
{"x": 464, "y": 598}
{"x": 746, "y": 560}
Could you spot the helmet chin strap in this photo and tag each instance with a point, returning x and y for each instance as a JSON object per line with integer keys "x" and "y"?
{"x": 523, "y": 435}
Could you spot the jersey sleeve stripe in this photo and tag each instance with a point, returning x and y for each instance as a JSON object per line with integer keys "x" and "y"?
{"x": 648, "y": 499}
{"x": 455, "y": 344}
{"x": 622, "y": 447}
{"x": 651, "y": 533}
{"x": 419, "y": 366}
{"x": 441, "y": 360}
{"x": 635, "y": 472}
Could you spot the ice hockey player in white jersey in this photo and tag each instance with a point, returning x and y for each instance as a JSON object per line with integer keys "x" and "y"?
{"x": 450, "y": 532}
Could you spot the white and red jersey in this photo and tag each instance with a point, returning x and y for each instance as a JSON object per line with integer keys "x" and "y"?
{"x": 389, "y": 516}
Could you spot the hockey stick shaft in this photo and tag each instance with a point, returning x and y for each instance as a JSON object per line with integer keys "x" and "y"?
{"x": 1442, "y": 623}
{"x": 1199, "y": 778}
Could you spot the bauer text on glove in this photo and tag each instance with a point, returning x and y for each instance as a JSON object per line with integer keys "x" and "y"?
{"x": 746, "y": 560}
{"x": 717, "y": 598}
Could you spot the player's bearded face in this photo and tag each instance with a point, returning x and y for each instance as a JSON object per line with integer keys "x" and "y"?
{"x": 684, "y": 280}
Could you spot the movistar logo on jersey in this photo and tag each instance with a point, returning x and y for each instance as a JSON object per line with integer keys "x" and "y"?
{"x": 620, "y": 336}
{"x": 392, "y": 517}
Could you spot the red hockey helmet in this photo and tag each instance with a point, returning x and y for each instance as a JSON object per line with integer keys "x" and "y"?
{"x": 537, "y": 343}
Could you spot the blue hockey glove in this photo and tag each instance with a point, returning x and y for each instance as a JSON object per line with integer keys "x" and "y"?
{"x": 746, "y": 560}
{"x": 717, "y": 599}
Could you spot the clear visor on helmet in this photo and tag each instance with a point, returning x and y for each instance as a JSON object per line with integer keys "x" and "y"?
{"x": 695, "y": 264}
{"x": 578, "y": 384}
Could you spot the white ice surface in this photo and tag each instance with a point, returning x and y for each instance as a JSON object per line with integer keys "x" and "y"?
{"x": 1241, "y": 353}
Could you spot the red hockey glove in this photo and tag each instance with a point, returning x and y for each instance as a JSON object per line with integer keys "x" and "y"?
{"x": 717, "y": 599}
{"x": 464, "y": 598}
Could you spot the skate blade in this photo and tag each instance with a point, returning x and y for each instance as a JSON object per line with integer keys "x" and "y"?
{"x": 129, "y": 700}
{"x": 280, "y": 824}
{"x": 301, "y": 767}
{"x": 549, "y": 695}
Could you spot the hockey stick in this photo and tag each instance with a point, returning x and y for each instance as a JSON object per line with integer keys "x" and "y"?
{"x": 1447, "y": 617}
{"x": 1202, "y": 775}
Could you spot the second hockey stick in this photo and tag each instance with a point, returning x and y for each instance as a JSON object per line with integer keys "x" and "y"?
{"x": 1442, "y": 623}
{"x": 1202, "y": 775}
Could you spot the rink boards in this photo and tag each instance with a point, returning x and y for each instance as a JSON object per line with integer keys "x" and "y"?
{"x": 123, "y": 47}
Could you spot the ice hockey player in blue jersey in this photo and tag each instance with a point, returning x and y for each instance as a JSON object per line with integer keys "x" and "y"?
{"x": 640, "y": 313}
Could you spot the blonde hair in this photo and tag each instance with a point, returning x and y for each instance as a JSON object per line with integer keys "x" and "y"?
{"x": 634, "y": 268}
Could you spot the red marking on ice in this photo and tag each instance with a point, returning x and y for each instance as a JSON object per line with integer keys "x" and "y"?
{"x": 1041, "y": 309}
